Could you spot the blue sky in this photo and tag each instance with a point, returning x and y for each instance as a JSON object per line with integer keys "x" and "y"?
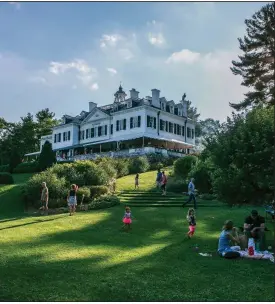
{"x": 63, "y": 55}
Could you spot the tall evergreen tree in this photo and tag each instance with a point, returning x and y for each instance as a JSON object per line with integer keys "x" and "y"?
{"x": 257, "y": 65}
{"x": 47, "y": 157}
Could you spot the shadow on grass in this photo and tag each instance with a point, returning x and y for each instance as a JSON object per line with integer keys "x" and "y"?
{"x": 97, "y": 262}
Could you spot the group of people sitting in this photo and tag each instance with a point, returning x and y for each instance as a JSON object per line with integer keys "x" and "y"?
{"x": 254, "y": 227}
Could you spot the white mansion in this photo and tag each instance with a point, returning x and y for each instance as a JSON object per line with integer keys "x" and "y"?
{"x": 128, "y": 126}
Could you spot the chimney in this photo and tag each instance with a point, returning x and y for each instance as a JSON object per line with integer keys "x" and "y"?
{"x": 155, "y": 98}
{"x": 134, "y": 94}
{"x": 92, "y": 106}
{"x": 184, "y": 103}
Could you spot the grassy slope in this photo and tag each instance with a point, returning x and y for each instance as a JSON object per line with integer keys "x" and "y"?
{"x": 87, "y": 258}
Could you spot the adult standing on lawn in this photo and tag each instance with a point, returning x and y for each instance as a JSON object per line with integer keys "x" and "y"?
{"x": 72, "y": 201}
{"x": 163, "y": 183}
{"x": 44, "y": 198}
{"x": 254, "y": 227}
{"x": 159, "y": 178}
{"x": 191, "y": 193}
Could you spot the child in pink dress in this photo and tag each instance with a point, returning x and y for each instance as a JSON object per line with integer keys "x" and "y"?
{"x": 191, "y": 218}
{"x": 127, "y": 219}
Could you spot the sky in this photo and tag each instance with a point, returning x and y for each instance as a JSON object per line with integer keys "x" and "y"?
{"x": 62, "y": 55}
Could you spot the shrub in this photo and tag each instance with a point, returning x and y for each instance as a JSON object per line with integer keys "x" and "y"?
{"x": 208, "y": 196}
{"x": 183, "y": 165}
{"x": 69, "y": 171}
{"x": 4, "y": 168}
{"x": 201, "y": 172}
{"x": 26, "y": 167}
{"x": 83, "y": 191}
{"x": 15, "y": 159}
{"x": 104, "y": 201}
{"x": 57, "y": 203}
{"x": 156, "y": 166}
{"x": 57, "y": 186}
{"x": 6, "y": 178}
{"x": 122, "y": 167}
{"x": 177, "y": 185}
{"x": 108, "y": 166}
{"x": 139, "y": 164}
{"x": 96, "y": 191}
{"x": 92, "y": 174}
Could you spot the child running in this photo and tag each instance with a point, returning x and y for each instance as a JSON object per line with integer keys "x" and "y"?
{"x": 127, "y": 219}
{"x": 191, "y": 218}
{"x": 137, "y": 181}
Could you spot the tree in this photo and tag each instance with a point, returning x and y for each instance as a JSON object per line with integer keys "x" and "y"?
{"x": 15, "y": 159}
{"x": 242, "y": 155}
{"x": 47, "y": 157}
{"x": 257, "y": 64}
{"x": 45, "y": 122}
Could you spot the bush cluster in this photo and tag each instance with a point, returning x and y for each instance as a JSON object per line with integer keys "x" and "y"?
{"x": 104, "y": 201}
{"x": 6, "y": 178}
{"x": 4, "y": 168}
{"x": 26, "y": 167}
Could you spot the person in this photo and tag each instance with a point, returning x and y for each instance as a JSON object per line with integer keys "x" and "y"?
{"x": 191, "y": 218}
{"x": 226, "y": 237}
{"x": 163, "y": 183}
{"x": 71, "y": 199}
{"x": 137, "y": 181}
{"x": 44, "y": 198}
{"x": 191, "y": 193}
{"x": 159, "y": 178}
{"x": 254, "y": 227}
{"x": 127, "y": 219}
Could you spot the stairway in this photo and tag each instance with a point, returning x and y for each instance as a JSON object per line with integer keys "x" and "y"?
{"x": 153, "y": 198}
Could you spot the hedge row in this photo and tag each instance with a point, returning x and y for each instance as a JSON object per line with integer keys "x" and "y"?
{"x": 6, "y": 178}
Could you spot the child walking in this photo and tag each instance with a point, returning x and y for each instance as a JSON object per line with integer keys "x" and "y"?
{"x": 127, "y": 219}
{"x": 71, "y": 199}
{"x": 137, "y": 181}
{"x": 191, "y": 218}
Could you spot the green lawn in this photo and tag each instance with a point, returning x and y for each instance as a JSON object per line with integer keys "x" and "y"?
{"x": 87, "y": 258}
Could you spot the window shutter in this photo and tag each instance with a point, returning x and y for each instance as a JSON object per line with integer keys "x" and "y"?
{"x": 117, "y": 125}
{"x": 192, "y": 133}
{"x": 86, "y": 133}
{"x": 92, "y": 132}
{"x": 148, "y": 121}
{"x": 155, "y": 122}
{"x": 106, "y": 129}
{"x": 111, "y": 129}
{"x": 69, "y": 135}
{"x": 182, "y": 130}
{"x": 59, "y": 137}
{"x": 99, "y": 131}
{"x": 55, "y": 138}
{"x": 139, "y": 121}
{"x": 63, "y": 136}
{"x": 131, "y": 122}
{"x": 124, "y": 124}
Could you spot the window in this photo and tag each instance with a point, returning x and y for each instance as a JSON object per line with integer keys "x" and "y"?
{"x": 83, "y": 134}
{"x": 179, "y": 113}
{"x": 87, "y": 133}
{"x": 59, "y": 137}
{"x": 111, "y": 129}
{"x": 163, "y": 106}
{"x": 175, "y": 128}
{"x": 99, "y": 131}
{"x": 178, "y": 130}
{"x": 188, "y": 132}
{"x": 129, "y": 104}
{"x": 135, "y": 122}
{"x": 192, "y": 133}
{"x": 171, "y": 109}
{"x": 151, "y": 122}
{"x": 166, "y": 126}
{"x": 170, "y": 127}
{"x": 66, "y": 136}
{"x": 162, "y": 125}
{"x": 121, "y": 124}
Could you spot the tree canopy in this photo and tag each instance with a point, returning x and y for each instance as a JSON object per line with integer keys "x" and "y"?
{"x": 257, "y": 64}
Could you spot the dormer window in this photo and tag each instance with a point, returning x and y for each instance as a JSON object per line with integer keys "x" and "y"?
{"x": 180, "y": 113}
{"x": 171, "y": 109}
{"x": 163, "y": 106}
{"x": 129, "y": 104}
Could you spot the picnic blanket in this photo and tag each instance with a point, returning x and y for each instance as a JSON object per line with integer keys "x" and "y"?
{"x": 259, "y": 255}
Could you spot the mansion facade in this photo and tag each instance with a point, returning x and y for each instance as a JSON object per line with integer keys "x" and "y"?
{"x": 128, "y": 126}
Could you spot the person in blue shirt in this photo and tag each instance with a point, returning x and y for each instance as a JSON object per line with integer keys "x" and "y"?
{"x": 225, "y": 248}
{"x": 191, "y": 193}
{"x": 159, "y": 178}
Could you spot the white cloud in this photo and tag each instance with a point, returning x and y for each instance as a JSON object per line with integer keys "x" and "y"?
{"x": 78, "y": 64}
{"x": 94, "y": 87}
{"x": 112, "y": 71}
{"x": 156, "y": 39}
{"x": 185, "y": 56}
{"x": 109, "y": 40}
{"x": 125, "y": 54}
{"x": 17, "y": 5}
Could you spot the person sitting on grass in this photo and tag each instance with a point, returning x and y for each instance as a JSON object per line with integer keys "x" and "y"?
{"x": 71, "y": 199}
{"x": 225, "y": 248}
{"x": 44, "y": 199}
{"x": 254, "y": 227}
